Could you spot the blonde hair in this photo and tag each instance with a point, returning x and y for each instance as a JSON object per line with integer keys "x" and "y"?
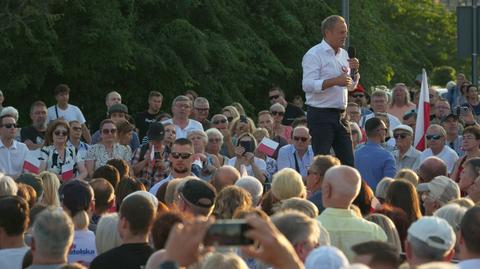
{"x": 106, "y": 235}
{"x": 224, "y": 261}
{"x": 299, "y": 204}
{"x": 465, "y": 202}
{"x": 260, "y": 133}
{"x": 234, "y": 123}
{"x": 233, "y": 110}
{"x": 382, "y": 187}
{"x": 277, "y": 106}
{"x": 51, "y": 184}
{"x": 229, "y": 200}
{"x": 388, "y": 227}
{"x": 288, "y": 183}
{"x": 171, "y": 191}
{"x": 198, "y": 132}
{"x": 409, "y": 175}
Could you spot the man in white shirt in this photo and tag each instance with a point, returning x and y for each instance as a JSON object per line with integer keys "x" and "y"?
{"x": 469, "y": 239}
{"x": 12, "y": 152}
{"x": 181, "y": 110}
{"x": 326, "y": 81}
{"x": 379, "y": 103}
{"x": 67, "y": 111}
{"x": 12, "y": 229}
{"x": 435, "y": 137}
{"x": 299, "y": 154}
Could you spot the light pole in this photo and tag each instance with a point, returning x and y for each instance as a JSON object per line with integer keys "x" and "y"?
{"x": 474, "y": 42}
{"x": 346, "y": 16}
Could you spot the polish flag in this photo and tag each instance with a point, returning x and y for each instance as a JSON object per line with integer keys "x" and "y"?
{"x": 267, "y": 146}
{"x": 31, "y": 163}
{"x": 423, "y": 115}
{"x": 67, "y": 172}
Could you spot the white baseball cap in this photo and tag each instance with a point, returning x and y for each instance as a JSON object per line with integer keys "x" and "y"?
{"x": 404, "y": 127}
{"x": 441, "y": 188}
{"x": 433, "y": 231}
{"x": 326, "y": 257}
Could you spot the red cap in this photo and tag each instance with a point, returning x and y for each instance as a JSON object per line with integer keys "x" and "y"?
{"x": 359, "y": 88}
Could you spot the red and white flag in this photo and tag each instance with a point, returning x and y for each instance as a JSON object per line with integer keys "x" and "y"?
{"x": 152, "y": 156}
{"x": 267, "y": 146}
{"x": 67, "y": 172}
{"x": 31, "y": 163}
{"x": 423, "y": 114}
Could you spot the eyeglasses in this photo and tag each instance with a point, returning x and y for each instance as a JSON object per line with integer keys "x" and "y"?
{"x": 183, "y": 155}
{"x": 109, "y": 131}
{"x": 202, "y": 109}
{"x": 10, "y": 125}
{"x": 433, "y": 137}
{"x": 469, "y": 137}
{"x": 402, "y": 136}
{"x": 358, "y": 95}
{"x": 77, "y": 129}
{"x": 219, "y": 121}
{"x": 60, "y": 133}
{"x": 274, "y": 113}
{"x": 214, "y": 140}
{"x": 274, "y": 97}
{"x": 298, "y": 138}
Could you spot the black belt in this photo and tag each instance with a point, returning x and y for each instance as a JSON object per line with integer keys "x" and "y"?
{"x": 327, "y": 109}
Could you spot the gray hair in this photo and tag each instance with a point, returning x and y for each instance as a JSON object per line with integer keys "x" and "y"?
{"x": 301, "y": 205}
{"x": 53, "y": 233}
{"x": 380, "y": 93}
{"x": 106, "y": 235}
{"x": 7, "y": 185}
{"x": 439, "y": 127}
{"x": 253, "y": 186}
{"x": 425, "y": 252}
{"x": 181, "y": 98}
{"x": 10, "y": 110}
{"x": 198, "y": 132}
{"x": 296, "y": 226}
{"x": 452, "y": 213}
{"x": 215, "y": 133}
{"x": 329, "y": 22}
{"x": 200, "y": 100}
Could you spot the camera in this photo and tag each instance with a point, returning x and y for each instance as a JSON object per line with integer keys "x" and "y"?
{"x": 461, "y": 110}
{"x": 228, "y": 233}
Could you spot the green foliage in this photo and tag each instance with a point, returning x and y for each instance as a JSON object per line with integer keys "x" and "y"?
{"x": 226, "y": 50}
{"x": 442, "y": 74}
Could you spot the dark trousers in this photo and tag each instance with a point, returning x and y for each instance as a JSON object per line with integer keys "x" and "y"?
{"x": 329, "y": 130}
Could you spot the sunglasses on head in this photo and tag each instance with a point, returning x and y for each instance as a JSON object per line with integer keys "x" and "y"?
{"x": 298, "y": 138}
{"x": 280, "y": 113}
{"x": 219, "y": 121}
{"x": 274, "y": 97}
{"x": 10, "y": 125}
{"x": 183, "y": 155}
{"x": 60, "y": 133}
{"x": 109, "y": 131}
{"x": 433, "y": 137}
{"x": 402, "y": 136}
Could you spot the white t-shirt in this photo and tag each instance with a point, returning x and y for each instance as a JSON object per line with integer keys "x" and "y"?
{"x": 448, "y": 155}
{"x": 83, "y": 248}
{"x": 261, "y": 164}
{"x": 71, "y": 113}
{"x": 182, "y": 133}
{"x": 12, "y": 257}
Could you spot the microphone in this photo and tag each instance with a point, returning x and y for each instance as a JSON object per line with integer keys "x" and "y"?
{"x": 351, "y": 54}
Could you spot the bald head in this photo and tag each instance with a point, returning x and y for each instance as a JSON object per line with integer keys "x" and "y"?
{"x": 340, "y": 186}
{"x": 225, "y": 176}
{"x": 430, "y": 168}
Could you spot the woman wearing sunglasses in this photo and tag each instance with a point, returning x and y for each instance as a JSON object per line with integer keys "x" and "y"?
{"x": 57, "y": 157}
{"x": 245, "y": 161}
{"x": 278, "y": 112}
{"x": 109, "y": 148}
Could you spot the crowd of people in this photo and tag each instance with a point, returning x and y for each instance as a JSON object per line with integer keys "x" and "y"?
{"x": 140, "y": 190}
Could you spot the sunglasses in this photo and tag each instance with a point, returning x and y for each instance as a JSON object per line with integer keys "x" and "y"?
{"x": 358, "y": 95}
{"x": 274, "y": 97}
{"x": 10, "y": 125}
{"x": 433, "y": 137}
{"x": 230, "y": 119}
{"x": 219, "y": 121}
{"x": 298, "y": 138}
{"x": 60, "y": 133}
{"x": 402, "y": 136}
{"x": 274, "y": 113}
{"x": 183, "y": 155}
{"x": 77, "y": 129}
{"x": 202, "y": 109}
{"x": 109, "y": 131}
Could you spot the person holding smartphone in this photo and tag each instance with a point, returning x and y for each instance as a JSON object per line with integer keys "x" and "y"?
{"x": 245, "y": 161}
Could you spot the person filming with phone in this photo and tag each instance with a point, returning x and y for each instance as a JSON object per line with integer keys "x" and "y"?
{"x": 245, "y": 161}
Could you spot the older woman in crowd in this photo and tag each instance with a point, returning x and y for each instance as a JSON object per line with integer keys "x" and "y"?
{"x": 471, "y": 147}
{"x": 57, "y": 157}
{"x": 107, "y": 149}
{"x": 231, "y": 113}
{"x": 241, "y": 125}
{"x": 209, "y": 162}
{"x": 278, "y": 112}
{"x": 245, "y": 161}
{"x": 214, "y": 145}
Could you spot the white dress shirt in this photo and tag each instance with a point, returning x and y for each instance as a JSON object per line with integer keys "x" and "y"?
{"x": 287, "y": 155}
{"x": 319, "y": 64}
{"x": 448, "y": 155}
{"x": 12, "y": 159}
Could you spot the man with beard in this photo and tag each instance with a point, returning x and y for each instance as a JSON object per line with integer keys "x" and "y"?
{"x": 181, "y": 162}
{"x": 34, "y": 135}
{"x": 372, "y": 160}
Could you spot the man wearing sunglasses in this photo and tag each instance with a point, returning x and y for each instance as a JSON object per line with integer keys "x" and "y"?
{"x": 406, "y": 156}
{"x": 201, "y": 108}
{"x": 276, "y": 95}
{"x": 299, "y": 154}
{"x": 359, "y": 97}
{"x": 12, "y": 153}
{"x": 181, "y": 162}
{"x": 435, "y": 138}
{"x": 372, "y": 160}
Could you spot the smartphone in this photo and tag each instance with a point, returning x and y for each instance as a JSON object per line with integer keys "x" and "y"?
{"x": 461, "y": 110}
{"x": 228, "y": 233}
{"x": 247, "y": 145}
